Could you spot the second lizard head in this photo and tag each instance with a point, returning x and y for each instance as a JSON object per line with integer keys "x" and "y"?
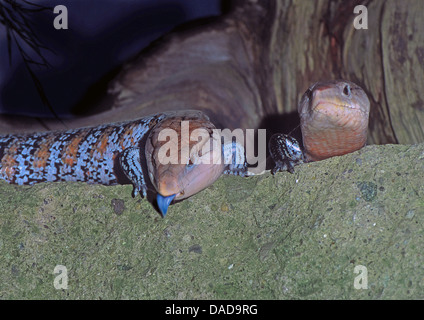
{"x": 183, "y": 157}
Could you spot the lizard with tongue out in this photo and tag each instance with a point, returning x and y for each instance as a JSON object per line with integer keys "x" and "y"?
{"x": 334, "y": 120}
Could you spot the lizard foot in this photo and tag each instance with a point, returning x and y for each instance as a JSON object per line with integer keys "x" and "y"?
{"x": 285, "y": 151}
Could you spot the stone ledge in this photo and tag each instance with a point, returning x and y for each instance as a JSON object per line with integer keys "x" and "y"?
{"x": 288, "y": 236}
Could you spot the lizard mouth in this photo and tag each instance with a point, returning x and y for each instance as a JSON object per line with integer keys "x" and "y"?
{"x": 336, "y": 115}
{"x": 325, "y": 106}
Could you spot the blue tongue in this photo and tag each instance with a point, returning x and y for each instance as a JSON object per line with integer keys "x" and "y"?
{"x": 164, "y": 202}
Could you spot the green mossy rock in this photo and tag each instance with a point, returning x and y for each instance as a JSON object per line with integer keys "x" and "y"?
{"x": 288, "y": 236}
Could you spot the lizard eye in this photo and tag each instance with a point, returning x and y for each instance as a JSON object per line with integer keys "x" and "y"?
{"x": 308, "y": 93}
{"x": 347, "y": 91}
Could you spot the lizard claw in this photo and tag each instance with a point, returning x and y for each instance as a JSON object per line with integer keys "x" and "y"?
{"x": 139, "y": 189}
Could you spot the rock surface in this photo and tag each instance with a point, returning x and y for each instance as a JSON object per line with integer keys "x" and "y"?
{"x": 288, "y": 236}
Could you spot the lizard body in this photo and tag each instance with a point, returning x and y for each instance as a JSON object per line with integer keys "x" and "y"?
{"x": 114, "y": 153}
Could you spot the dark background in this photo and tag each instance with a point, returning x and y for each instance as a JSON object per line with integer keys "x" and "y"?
{"x": 102, "y": 34}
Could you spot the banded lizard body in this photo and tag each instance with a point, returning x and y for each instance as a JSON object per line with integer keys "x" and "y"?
{"x": 115, "y": 153}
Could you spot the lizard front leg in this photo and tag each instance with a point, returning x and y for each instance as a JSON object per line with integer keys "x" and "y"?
{"x": 130, "y": 162}
{"x": 285, "y": 151}
{"x": 234, "y": 158}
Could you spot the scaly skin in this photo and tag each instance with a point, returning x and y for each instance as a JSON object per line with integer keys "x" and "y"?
{"x": 182, "y": 177}
{"x": 125, "y": 152}
{"x": 333, "y": 119}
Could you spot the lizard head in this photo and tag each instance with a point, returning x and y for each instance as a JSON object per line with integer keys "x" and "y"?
{"x": 334, "y": 118}
{"x": 183, "y": 157}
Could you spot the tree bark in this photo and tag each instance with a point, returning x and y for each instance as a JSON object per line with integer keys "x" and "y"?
{"x": 254, "y": 63}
